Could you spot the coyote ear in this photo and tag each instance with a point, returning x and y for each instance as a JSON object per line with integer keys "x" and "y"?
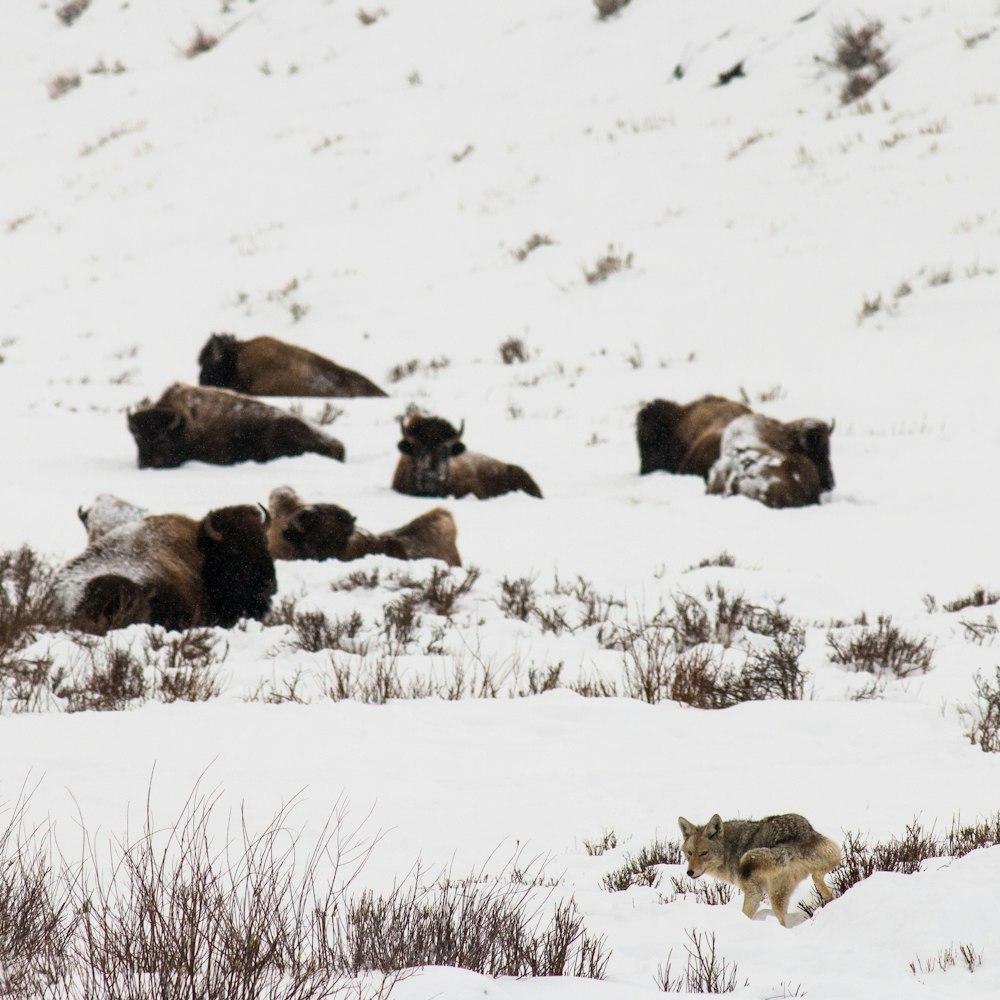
{"x": 687, "y": 827}
{"x": 714, "y": 826}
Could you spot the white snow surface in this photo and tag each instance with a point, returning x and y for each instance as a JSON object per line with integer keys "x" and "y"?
{"x": 360, "y": 190}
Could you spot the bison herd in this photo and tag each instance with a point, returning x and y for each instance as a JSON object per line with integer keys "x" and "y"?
{"x": 171, "y": 570}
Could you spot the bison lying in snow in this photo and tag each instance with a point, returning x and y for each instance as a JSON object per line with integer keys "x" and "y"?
{"x": 167, "y": 569}
{"x": 434, "y": 463}
{"x": 683, "y": 438}
{"x": 215, "y": 425}
{"x": 265, "y": 366}
{"x": 782, "y": 465}
{"x": 325, "y": 531}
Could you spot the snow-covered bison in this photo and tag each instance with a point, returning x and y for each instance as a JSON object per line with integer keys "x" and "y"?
{"x": 434, "y": 463}
{"x": 780, "y": 464}
{"x": 193, "y": 423}
{"x": 302, "y": 530}
{"x": 683, "y": 438}
{"x": 265, "y": 366}
{"x": 167, "y": 569}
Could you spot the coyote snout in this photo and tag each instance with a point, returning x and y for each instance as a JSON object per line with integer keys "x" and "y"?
{"x": 771, "y": 855}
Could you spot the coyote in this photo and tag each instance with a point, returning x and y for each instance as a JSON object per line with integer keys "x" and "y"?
{"x": 771, "y": 855}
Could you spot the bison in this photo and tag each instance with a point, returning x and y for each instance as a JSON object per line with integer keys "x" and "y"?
{"x": 434, "y": 463}
{"x": 683, "y": 439}
{"x": 325, "y": 531}
{"x": 782, "y": 465}
{"x": 167, "y": 569}
{"x": 192, "y": 423}
{"x": 264, "y": 366}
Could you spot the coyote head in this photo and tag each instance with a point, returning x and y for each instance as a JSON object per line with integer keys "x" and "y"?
{"x": 702, "y": 845}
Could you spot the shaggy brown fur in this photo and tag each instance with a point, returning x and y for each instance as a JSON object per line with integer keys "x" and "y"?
{"x": 434, "y": 463}
{"x": 170, "y": 570}
{"x": 192, "y": 423}
{"x": 326, "y": 531}
{"x": 782, "y": 465}
{"x": 683, "y": 438}
{"x": 265, "y": 366}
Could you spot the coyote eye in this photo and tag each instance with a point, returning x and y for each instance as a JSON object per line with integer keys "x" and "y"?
{"x": 704, "y": 854}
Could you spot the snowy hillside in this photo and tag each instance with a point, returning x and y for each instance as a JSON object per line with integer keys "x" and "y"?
{"x": 407, "y": 187}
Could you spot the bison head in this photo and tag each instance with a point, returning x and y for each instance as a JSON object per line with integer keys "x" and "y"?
{"x": 320, "y": 531}
{"x": 430, "y": 443}
{"x": 218, "y": 361}
{"x": 108, "y": 512}
{"x": 238, "y": 571}
{"x": 159, "y": 435}
{"x": 655, "y": 428}
{"x": 813, "y": 438}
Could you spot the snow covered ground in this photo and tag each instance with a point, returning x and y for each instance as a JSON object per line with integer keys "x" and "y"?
{"x": 361, "y": 190}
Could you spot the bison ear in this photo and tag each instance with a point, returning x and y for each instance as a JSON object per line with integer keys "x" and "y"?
{"x": 457, "y": 448}
{"x": 405, "y": 446}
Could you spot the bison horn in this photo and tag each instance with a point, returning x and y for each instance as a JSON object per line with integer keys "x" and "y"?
{"x": 833, "y": 423}
{"x": 211, "y": 530}
{"x": 267, "y": 515}
{"x": 461, "y": 428}
{"x": 82, "y": 514}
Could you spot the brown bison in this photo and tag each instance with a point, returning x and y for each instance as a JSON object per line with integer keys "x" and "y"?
{"x": 434, "y": 463}
{"x": 167, "y": 569}
{"x": 782, "y": 465}
{"x": 265, "y": 366}
{"x": 325, "y": 531}
{"x": 685, "y": 438}
{"x": 192, "y": 423}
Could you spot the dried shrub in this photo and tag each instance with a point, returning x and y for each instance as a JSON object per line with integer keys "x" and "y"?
{"x": 492, "y": 928}
{"x": 517, "y": 597}
{"x": 185, "y": 665}
{"x": 981, "y": 633}
{"x": 977, "y": 598}
{"x": 708, "y": 891}
{"x": 370, "y": 17}
{"x": 533, "y": 242}
{"x": 725, "y": 560}
{"x": 201, "y": 42}
{"x": 611, "y": 263}
{"x": 640, "y": 869}
{"x": 704, "y": 972}
{"x": 63, "y": 84}
{"x": 401, "y": 621}
{"x": 398, "y": 372}
{"x": 314, "y": 631}
{"x": 69, "y": 12}
{"x": 607, "y": 842}
{"x": 860, "y": 53}
{"x": 882, "y": 650}
{"x": 111, "y": 678}
{"x": 983, "y": 717}
{"x": 513, "y": 349}
{"x": 605, "y": 8}
{"x": 948, "y": 958}
{"x": 906, "y": 854}
{"x": 441, "y": 592}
